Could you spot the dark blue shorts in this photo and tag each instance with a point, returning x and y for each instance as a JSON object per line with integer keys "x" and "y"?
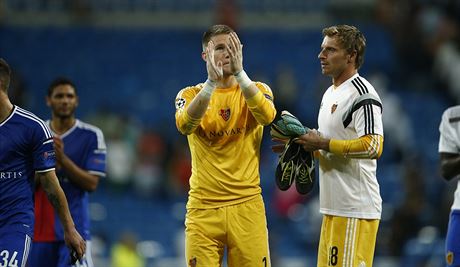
{"x": 14, "y": 247}
{"x": 57, "y": 255}
{"x": 453, "y": 240}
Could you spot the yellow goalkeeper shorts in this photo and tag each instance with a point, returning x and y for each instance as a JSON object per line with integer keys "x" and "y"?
{"x": 347, "y": 242}
{"x": 241, "y": 228}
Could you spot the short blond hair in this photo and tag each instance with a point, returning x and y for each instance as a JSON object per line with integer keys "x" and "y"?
{"x": 213, "y": 31}
{"x": 350, "y": 38}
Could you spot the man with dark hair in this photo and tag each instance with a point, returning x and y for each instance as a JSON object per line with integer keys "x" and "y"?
{"x": 79, "y": 165}
{"x": 223, "y": 119}
{"x": 26, "y": 151}
{"x": 348, "y": 142}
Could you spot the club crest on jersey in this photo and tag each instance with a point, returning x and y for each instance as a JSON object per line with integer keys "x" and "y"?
{"x": 192, "y": 262}
{"x": 450, "y": 258}
{"x": 225, "y": 114}
{"x": 333, "y": 108}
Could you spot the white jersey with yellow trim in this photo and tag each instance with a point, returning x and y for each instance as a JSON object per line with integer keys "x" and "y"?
{"x": 348, "y": 186}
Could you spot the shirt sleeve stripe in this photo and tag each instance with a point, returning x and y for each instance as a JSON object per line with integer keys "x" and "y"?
{"x": 97, "y": 173}
{"x": 363, "y": 86}
{"x": 358, "y": 105}
{"x": 99, "y": 135}
{"x": 372, "y": 119}
{"x": 49, "y": 140}
{"x": 31, "y": 116}
{"x": 45, "y": 170}
{"x": 357, "y": 87}
{"x": 366, "y": 120}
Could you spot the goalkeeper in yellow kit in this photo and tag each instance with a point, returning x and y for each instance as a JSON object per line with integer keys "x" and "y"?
{"x": 223, "y": 119}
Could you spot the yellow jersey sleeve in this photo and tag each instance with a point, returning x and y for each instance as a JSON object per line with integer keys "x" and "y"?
{"x": 261, "y": 105}
{"x": 184, "y": 123}
{"x": 366, "y": 147}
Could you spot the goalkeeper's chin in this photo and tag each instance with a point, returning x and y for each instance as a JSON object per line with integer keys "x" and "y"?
{"x": 226, "y": 70}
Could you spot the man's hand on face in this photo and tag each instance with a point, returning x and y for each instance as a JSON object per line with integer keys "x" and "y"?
{"x": 235, "y": 50}
{"x": 215, "y": 70}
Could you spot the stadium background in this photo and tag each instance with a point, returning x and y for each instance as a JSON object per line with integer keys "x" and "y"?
{"x": 129, "y": 58}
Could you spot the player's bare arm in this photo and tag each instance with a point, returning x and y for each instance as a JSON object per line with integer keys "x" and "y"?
{"x": 235, "y": 50}
{"x": 76, "y": 175}
{"x": 450, "y": 165}
{"x": 53, "y": 190}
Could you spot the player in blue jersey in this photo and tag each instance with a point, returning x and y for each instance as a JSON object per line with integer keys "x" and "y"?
{"x": 80, "y": 157}
{"x": 26, "y": 155}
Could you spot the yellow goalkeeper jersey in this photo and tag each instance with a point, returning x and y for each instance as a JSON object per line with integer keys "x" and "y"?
{"x": 225, "y": 144}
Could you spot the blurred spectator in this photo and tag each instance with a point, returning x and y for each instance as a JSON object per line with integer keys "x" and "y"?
{"x": 402, "y": 20}
{"x": 286, "y": 90}
{"x": 180, "y": 168}
{"x": 285, "y": 202}
{"x": 446, "y": 52}
{"x": 227, "y": 13}
{"x": 412, "y": 214}
{"x": 122, "y": 133}
{"x": 119, "y": 162}
{"x": 124, "y": 252}
{"x": 398, "y": 133}
{"x": 148, "y": 170}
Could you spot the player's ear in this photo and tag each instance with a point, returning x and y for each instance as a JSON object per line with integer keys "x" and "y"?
{"x": 203, "y": 56}
{"x": 352, "y": 57}
{"x": 48, "y": 102}
{"x": 77, "y": 101}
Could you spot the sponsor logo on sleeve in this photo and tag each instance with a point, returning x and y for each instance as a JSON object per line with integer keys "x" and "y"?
{"x": 48, "y": 154}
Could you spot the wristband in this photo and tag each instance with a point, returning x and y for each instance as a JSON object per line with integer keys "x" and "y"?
{"x": 243, "y": 79}
{"x": 208, "y": 88}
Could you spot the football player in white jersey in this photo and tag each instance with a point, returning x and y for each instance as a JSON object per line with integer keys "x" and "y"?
{"x": 348, "y": 142}
{"x": 449, "y": 152}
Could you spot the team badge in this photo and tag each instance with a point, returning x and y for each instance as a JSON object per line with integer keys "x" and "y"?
{"x": 450, "y": 258}
{"x": 180, "y": 103}
{"x": 333, "y": 108}
{"x": 225, "y": 114}
{"x": 192, "y": 262}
